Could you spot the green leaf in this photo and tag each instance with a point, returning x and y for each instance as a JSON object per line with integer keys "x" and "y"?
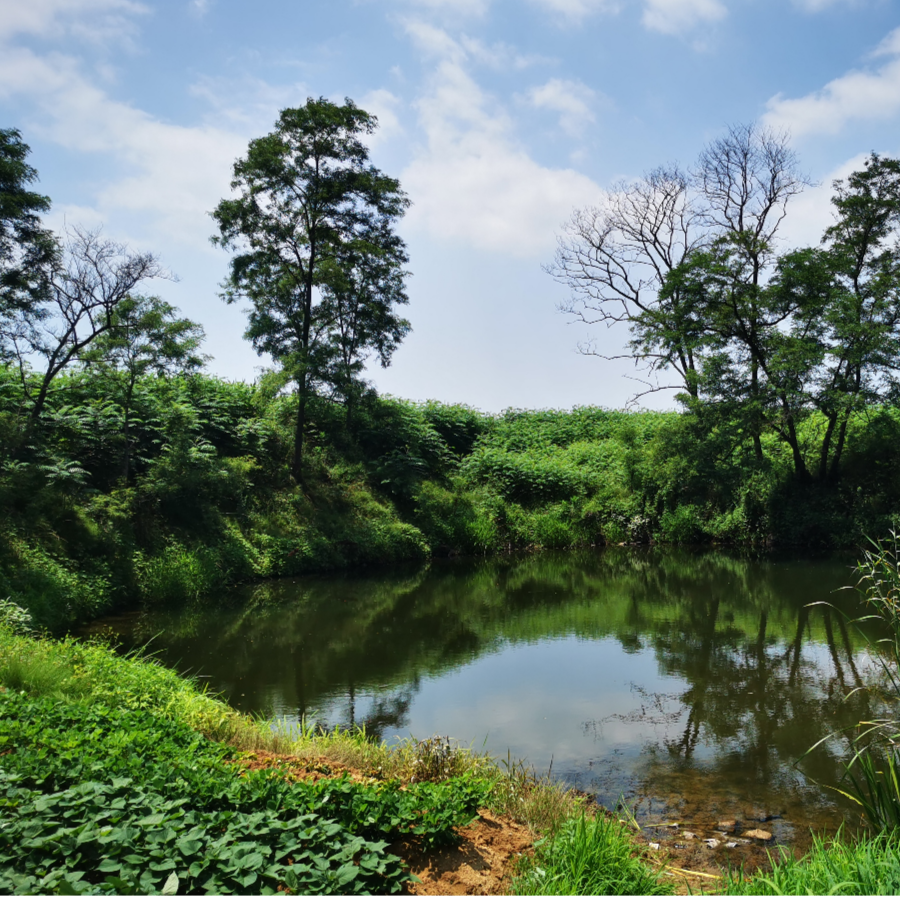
{"x": 171, "y": 885}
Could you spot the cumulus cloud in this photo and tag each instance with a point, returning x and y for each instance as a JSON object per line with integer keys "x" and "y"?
{"x": 811, "y": 212}
{"x": 174, "y": 173}
{"x": 471, "y": 182}
{"x": 576, "y": 10}
{"x": 678, "y": 16}
{"x": 94, "y": 20}
{"x": 571, "y": 99}
{"x": 858, "y": 94}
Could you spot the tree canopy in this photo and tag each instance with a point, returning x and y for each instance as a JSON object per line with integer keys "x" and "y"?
{"x": 315, "y": 252}
{"x": 759, "y": 337}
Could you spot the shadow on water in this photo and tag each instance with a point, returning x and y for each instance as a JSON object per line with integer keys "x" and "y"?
{"x": 688, "y": 682}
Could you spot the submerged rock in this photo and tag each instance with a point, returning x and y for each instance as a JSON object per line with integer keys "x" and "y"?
{"x": 759, "y": 834}
{"x": 726, "y": 825}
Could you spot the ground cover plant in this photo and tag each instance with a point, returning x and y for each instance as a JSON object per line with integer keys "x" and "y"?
{"x": 588, "y": 857}
{"x": 110, "y": 790}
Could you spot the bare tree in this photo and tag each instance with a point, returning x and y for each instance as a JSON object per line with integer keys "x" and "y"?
{"x": 90, "y": 277}
{"x": 746, "y": 180}
{"x": 615, "y": 256}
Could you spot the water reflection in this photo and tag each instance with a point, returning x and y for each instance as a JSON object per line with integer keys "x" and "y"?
{"x": 674, "y": 678}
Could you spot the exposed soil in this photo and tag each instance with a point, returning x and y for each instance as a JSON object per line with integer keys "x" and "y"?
{"x": 302, "y": 768}
{"x": 483, "y": 864}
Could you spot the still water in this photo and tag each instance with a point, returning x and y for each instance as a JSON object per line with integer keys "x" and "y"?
{"x": 688, "y": 683}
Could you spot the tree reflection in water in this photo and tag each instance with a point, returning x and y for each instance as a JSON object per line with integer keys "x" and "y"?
{"x": 746, "y": 674}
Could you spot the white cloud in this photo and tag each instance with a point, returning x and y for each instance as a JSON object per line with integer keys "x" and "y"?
{"x": 199, "y": 8}
{"x": 571, "y": 99}
{"x": 94, "y": 20}
{"x": 455, "y": 8}
{"x": 677, "y": 16}
{"x": 858, "y": 94}
{"x": 811, "y": 212}
{"x": 382, "y": 104}
{"x": 576, "y": 10}
{"x": 471, "y": 182}
{"x": 174, "y": 173}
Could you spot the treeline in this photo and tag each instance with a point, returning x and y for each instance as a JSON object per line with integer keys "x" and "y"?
{"x": 208, "y": 499}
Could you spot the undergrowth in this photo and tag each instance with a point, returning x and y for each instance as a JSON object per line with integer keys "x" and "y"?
{"x": 206, "y": 500}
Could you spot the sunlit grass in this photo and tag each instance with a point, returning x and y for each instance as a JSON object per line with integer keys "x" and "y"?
{"x": 588, "y": 856}
{"x": 870, "y": 866}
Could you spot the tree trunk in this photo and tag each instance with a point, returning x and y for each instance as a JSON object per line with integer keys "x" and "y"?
{"x": 754, "y": 425}
{"x": 126, "y": 430}
{"x": 297, "y": 461}
{"x": 826, "y": 447}
{"x": 303, "y": 380}
{"x": 800, "y": 469}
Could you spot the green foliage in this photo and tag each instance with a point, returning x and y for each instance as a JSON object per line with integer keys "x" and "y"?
{"x": 866, "y": 867}
{"x": 111, "y": 801}
{"x": 115, "y": 789}
{"x": 14, "y": 618}
{"x": 309, "y": 211}
{"x": 588, "y": 856}
{"x": 207, "y": 501}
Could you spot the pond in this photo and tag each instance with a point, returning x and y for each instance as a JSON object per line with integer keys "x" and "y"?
{"x": 688, "y": 683}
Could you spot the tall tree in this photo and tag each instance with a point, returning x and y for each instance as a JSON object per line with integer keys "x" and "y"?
{"x": 26, "y": 248}
{"x": 308, "y": 199}
{"x": 863, "y": 248}
{"x": 146, "y": 337}
{"x": 822, "y": 332}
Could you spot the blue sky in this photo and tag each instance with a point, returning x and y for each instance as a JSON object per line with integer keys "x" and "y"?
{"x": 499, "y": 117}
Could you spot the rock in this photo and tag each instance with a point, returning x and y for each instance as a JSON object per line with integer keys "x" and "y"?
{"x": 688, "y": 834}
{"x": 726, "y": 825}
{"x": 712, "y": 843}
{"x": 731, "y": 845}
{"x": 759, "y": 834}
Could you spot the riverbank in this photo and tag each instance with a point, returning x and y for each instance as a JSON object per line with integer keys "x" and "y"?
{"x": 127, "y": 778}
{"x": 197, "y": 495}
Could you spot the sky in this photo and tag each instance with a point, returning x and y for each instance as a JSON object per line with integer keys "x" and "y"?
{"x": 499, "y": 118}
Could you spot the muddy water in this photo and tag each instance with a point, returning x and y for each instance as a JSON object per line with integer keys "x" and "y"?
{"x": 688, "y": 683}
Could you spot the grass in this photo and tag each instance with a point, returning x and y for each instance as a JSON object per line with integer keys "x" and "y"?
{"x": 590, "y": 856}
{"x": 870, "y": 866}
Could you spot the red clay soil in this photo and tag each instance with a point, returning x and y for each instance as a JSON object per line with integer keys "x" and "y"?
{"x": 482, "y": 864}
